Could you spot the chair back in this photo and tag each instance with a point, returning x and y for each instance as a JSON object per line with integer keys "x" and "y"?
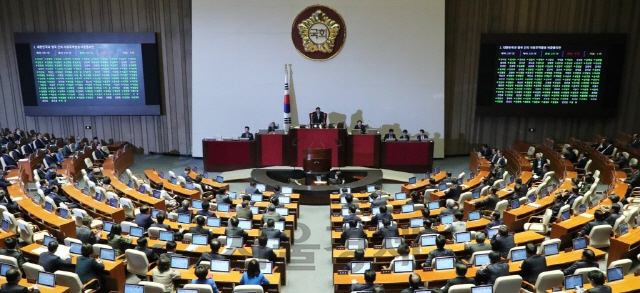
{"x": 625, "y": 264}
{"x": 402, "y": 257}
{"x": 9, "y": 260}
{"x": 548, "y": 280}
{"x": 497, "y": 183}
{"x": 126, "y": 225}
{"x": 26, "y": 233}
{"x": 88, "y": 163}
{"x": 461, "y": 175}
{"x": 69, "y": 240}
{"x": 6, "y": 215}
{"x": 152, "y": 287}
{"x": 54, "y": 207}
{"x": 508, "y": 284}
{"x": 531, "y": 151}
{"x": 70, "y": 280}
{"x": 576, "y": 204}
{"x": 599, "y": 236}
{"x": 465, "y": 288}
{"x": 182, "y": 180}
{"x": 31, "y": 270}
{"x": 137, "y": 262}
{"x": 128, "y": 207}
{"x": 473, "y": 256}
{"x": 619, "y": 221}
{"x": 464, "y": 197}
{"x": 155, "y": 231}
{"x": 485, "y": 190}
{"x": 246, "y": 261}
{"x": 247, "y": 288}
{"x": 98, "y": 246}
{"x": 501, "y": 206}
{"x": 202, "y": 288}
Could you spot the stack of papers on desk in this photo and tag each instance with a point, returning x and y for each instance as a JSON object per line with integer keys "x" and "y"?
{"x": 191, "y": 247}
{"x": 590, "y": 216}
{"x": 535, "y": 205}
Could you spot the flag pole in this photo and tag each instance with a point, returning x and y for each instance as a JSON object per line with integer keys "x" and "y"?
{"x": 287, "y": 105}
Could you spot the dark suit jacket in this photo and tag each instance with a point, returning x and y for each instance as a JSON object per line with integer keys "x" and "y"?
{"x": 235, "y": 232}
{"x": 635, "y": 144}
{"x": 458, "y": 280}
{"x": 503, "y": 244}
{"x": 353, "y": 233}
{"x": 405, "y": 137}
{"x": 85, "y": 235}
{"x": 582, "y": 162}
{"x": 608, "y": 150}
{"x": 151, "y": 256}
{"x": 489, "y": 203}
{"x": 364, "y": 287}
{"x": 348, "y": 218}
{"x": 389, "y": 136}
{"x": 424, "y": 231}
{"x": 538, "y": 165}
{"x": 99, "y": 154}
{"x": 471, "y": 248}
{"x": 208, "y": 256}
{"x": 587, "y": 228}
{"x": 317, "y": 119}
{"x": 144, "y": 221}
{"x": 275, "y": 233}
{"x": 611, "y": 220}
{"x": 51, "y": 262}
{"x": 454, "y": 192}
{"x": 9, "y": 160}
{"x": 634, "y": 180}
{"x": 200, "y": 230}
{"x": 532, "y": 267}
{"x": 578, "y": 265}
{"x": 263, "y": 252}
{"x": 387, "y": 232}
{"x": 438, "y": 253}
{"x": 363, "y": 129}
{"x": 492, "y": 272}
{"x": 378, "y": 202}
{"x": 597, "y": 289}
{"x": 412, "y": 290}
{"x": 248, "y": 135}
{"x": 380, "y": 217}
{"x": 40, "y": 143}
{"x": 15, "y": 254}
{"x": 207, "y": 214}
{"x": 88, "y": 269}
{"x": 571, "y": 157}
{"x": 622, "y": 162}
{"x": 15, "y": 288}
{"x": 170, "y": 254}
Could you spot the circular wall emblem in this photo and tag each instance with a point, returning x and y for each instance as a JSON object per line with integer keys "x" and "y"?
{"x": 318, "y": 33}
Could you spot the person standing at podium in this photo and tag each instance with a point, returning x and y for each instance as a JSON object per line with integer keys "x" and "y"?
{"x": 317, "y": 117}
{"x": 246, "y": 133}
{"x": 390, "y": 135}
{"x": 359, "y": 125}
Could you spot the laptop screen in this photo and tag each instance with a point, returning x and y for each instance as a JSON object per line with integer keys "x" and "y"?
{"x": 245, "y": 224}
{"x": 4, "y": 268}
{"x": 223, "y": 207}
{"x": 446, "y": 219}
{"x": 200, "y": 239}
{"x": 287, "y": 190}
{"x": 261, "y": 187}
{"x": 106, "y": 226}
{"x": 422, "y": 291}
{"x": 279, "y": 225}
{"x": 284, "y": 199}
{"x": 142, "y": 189}
{"x": 184, "y": 218}
{"x": 178, "y": 262}
{"x": 46, "y": 279}
{"x": 355, "y": 243}
{"x": 428, "y": 240}
{"x": 624, "y": 229}
{"x": 75, "y": 248}
{"x": 515, "y": 204}
{"x": 614, "y": 274}
{"x": 5, "y": 225}
{"x": 266, "y": 267}
{"x": 107, "y": 254}
{"x": 189, "y": 185}
{"x": 573, "y": 281}
{"x": 256, "y": 197}
{"x": 401, "y": 196}
{"x": 219, "y": 179}
{"x": 165, "y": 236}
{"x": 133, "y": 288}
{"x": 416, "y": 222}
{"x": 136, "y": 231}
{"x": 359, "y": 267}
{"x": 273, "y": 243}
{"x": 566, "y": 215}
{"x": 345, "y": 212}
{"x": 375, "y": 211}
{"x": 582, "y": 208}
{"x": 475, "y": 194}
{"x": 282, "y": 211}
{"x": 579, "y": 243}
{"x": 371, "y": 188}
{"x": 47, "y": 239}
{"x": 492, "y": 232}
{"x": 213, "y": 222}
{"x": 235, "y": 242}
{"x": 98, "y": 196}
{"x": 532, "y": 198}
{"x": 460, "y": 181}
{"x": 463, "y": 237}
{"x": 63, "y": 213}
{"x": 412, "y": 180}
{"x": 196, "y": 204}
{"x": 518, "y": 254}
{"x": 403, "y": 266}
{"x": 47, "y": 206}
{"x": 551, "y": 249}
{"x": 233, "y": 195}
{"x": 481, "y": 259}
{"x": 474, "y": 215}
{"x": 182, "y": 290}
{"x": 156, "y": 193}
{"x": 427, "y": 175}
{"x": 392, "y": 242}
{"x": 407, "y": 208}
{"x": 482, "y": 289}
{"x": 155, "y": 212}
{"x": 442, "y": 187}
{"x": 113, "y": 202}
{"x": 445, "y": 263}
{"x": 437, "y": 170}
{"x": 220, "y": 265}
{"x": 472, "y": 175}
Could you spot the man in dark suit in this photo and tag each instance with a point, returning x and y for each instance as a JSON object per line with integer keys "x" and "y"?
{"x": 428, "y": 229}
{"x": 317, "y": 117}
{"x": 440, "y": 251}
{"x": 495, "y": 221}
{"x": 66, "y": 151}
{"x": 11, "y": 286}
{"x": 200, "y": 229}
{"x": 9, "y": 161}
{"x": 415, "y": 283}
{"x": 422, "y": 136}
{"x": 348, "y": 198}
{"x": 454, "y": 192}
{"x": 387, "y": 230}
{"x": 608, "y": 148}
{"x": 634, "y": 143}
{"x": 588, "y": 261}
{"x": 262, "y": 251}
{"x": 470, "y": 248}
{"x": 351, "y": 215}
{"x": 582, "y": 161}
{"x": 596, "y": 278}
{"x": 558, "y": 203}
{"x": 247, "y": 133}
{"x": 390, "y": 135}
{"x": 205, "y": 211}
{"x": 502, "y": 242}
{"x": 615, "y": 214}
{"x": 369, "y": 278}
{"x": 84, "y": 233}
{"x": 214, "y": 245}
{"x": 353, "y": 231}
{"x": 634, "y": 179}
{"x": 171, "y": 250}
{"x": 450, "y": 205}
{"x": 489, "y": 203}
{"x": 40, "y": 141}
{"x": 490, "y": 272}
{"x": 520, "y": 190}
{"x": 4, "y": 183}
{"x": 570, "y": 197}
{"x": 184, "y": 207}
{"x": 361, "y": 127}
{"x": 273, "y": 233}
{"x": 621, "y": 161}
{"x": 486, "y": 151}
{"x": 598, "y": 216}
{"x": 538, "y": 165}
{"x": 100, "y": 154}
{"x": 405, "y": 135}
{"x": 377, "y": 201}
{"x": 600, "y": 145}
{"x": 570, "y": 155}
{"x": 532, "y": 266}
{"x": 143, "y": 219}
{"x": 11, "y": 251}
{"x": 51, "y": 159}
{"x": 449, "y": 178}
{"x": 233, "y": 230}
{"x": 51, "y": 262}
{"x": 460, "y": 279}
{"x": 381, "y": 216}
{"x": 142, "y": 246}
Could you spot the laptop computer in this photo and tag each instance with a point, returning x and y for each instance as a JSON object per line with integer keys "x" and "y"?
{"x": 475, "y": 194}
{"x": 551, "y": 249}
{"x": 184, "y": 218}
{"x": 156, "y": 194}
{"x": 481, "y": 259}
{"x": 518, "y": 254}
{"x": 75, "y": 248}
{"x": 213, "y": 222}
{"x": 219, "y": 179}
{"x": 200, "y": 239}
{"x": 155, "y": 212}
{"x": 444, "y": 263}
{"x": 235, "y": 242}
{"x": 565, "y": 215}
{"x": 400, "y": 196}
{"x": 579, "y": 243}
{"x": 279, "y": 225}
{"x": 286, "y": 190}
{"x": 282, "y": 211}
{"x": 375, "y": 211}
{"x": 273, "y": 243}
{"x": 133, "y": 288}
{"x": 244, "y": 224}
{"x": 46, "y": 279}
{"x": 482, "y": 289}
{"x": 492, "y": 231}
{"x": 256, "y": 197}
{"x": 136, "y": 231}
{"x": 392, "y": 242}
{"x": 107, "y": 254}
{"x": 407, "y": 208}
{"x": 356, "y": 243}
{"x": 266, "y": 267}
{"x": 359, "y": 267}
{"x": 463, "y": 237}
{"x": 166, "y": 236}
{"x": 48, "y": 239}
{"x": 284, "y": 199}
{"x": 63, "y": 213}
{"x": 4, "y": 267}
{"x": 182, "y": 290}
{"x": 614, "y": 274}
{"x": 416, "y": 222}
{"x": 196, "y": 204}
{"x": 624, "y": 229}
{"x": 224, "y": 207}
{"x": 48, "y": 207}
{"x": 371, "y": 188}
{"x": 106, "y": 226}
{"x": 573, "y": 281}
{"x": 412, "y": 180}
{"x": 261, "y": 187}
{"x": 442, "y": 186}
{"x": 179, "y": 262}
{"x": 474, "y": 215}
{"x": 515, "y": 204}
{"x": 220, "y": 265}
{"x": 403, "y": 266}
{"x": 446, "y": 219}
{"x": 428, "y": 240}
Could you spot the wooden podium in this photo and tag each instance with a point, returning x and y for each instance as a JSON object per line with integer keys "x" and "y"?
{"x": 317, "y": 160}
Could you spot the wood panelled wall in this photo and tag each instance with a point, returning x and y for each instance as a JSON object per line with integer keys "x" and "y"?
{"x": 170, "y": 19}
{"x": 466, "y": 20}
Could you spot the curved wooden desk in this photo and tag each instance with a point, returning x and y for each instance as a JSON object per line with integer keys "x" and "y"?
{"x": 153, "y": 176}
{"x": 133, "y": 194}
{"x": 99, "y": 209}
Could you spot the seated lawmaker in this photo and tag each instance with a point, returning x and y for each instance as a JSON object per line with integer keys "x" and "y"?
{"x": 596, "y": 279}
{"x": 390, "y": 135}
{"x": 387, "y": 230}
{"x": 382, "y": 215}
{"x": 634, "y": 143}
{"x": 422, "y": 135}
{"x": 353, "y": 231}
{"x": 143, "y": 219}
{"x": 273, "y": 233}
{"x": 362, "y": 127}
{"x": 489, "y": 203}
{"x": 615, "y": 214}
{"x": 619, "y": 160}
{"x": 205, "y": 211}
{"x": 405, "y": 135}
{"x": 351, "y": 215}
{"x": 599, "y": 219}
{"x": 502, "y": 242}
{"x": 415, "y": 284}
{"x": 538, "y": 164}
{"x": 488, "y": 273}
{"x": 486, "y": 151}
{"x": 214, "y": 248}
{"x": 200, "y": 229}
{"x": 358, "y": 255}
{"x": 532, "y": 266}
{"x": 440, "y": 251}
{"x": 460, "y": 279}
{"x": 262, "y": 251}
{"x": 495, "y": 221}
{"x": 588, "y": 261}
{"x": 272, "y": 128}
{"x": 377, "y": 201}
{"x": 634, "y": 179}
{"x": 568, "y": 154}
{"x": 428, "y": 229}
{"x": 8, "y": 160}
{"x": 454, "y": 191}
{"x": 318, "y": 117}
{"x": 13, "y": 276}
{"x": 232, "y": 230}
{"x": 458, "y": 224}
{"x": 247, "y": 133}
{"x": 470, "y": 248}
{"x": 582, "y": 162}
{"x": 608, "y": 148}
{"x": 369, "y": 278}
